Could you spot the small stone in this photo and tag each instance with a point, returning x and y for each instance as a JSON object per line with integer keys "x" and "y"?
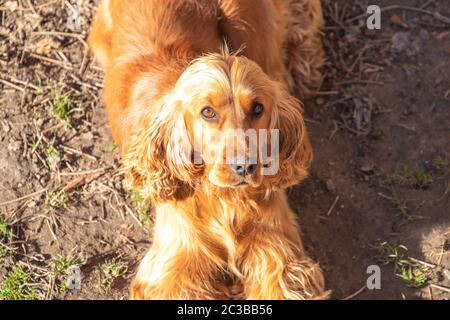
{"x": 446, "y": 273}
{"x": 367, "y": 169}
{"x": 320, "y": 101}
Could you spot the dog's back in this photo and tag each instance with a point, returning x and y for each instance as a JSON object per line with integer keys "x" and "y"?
{"x": 123, "y": 29}
{"x": 139, "y": 27}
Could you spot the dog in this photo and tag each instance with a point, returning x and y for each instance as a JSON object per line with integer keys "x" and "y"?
{"x": 173, "y": 68}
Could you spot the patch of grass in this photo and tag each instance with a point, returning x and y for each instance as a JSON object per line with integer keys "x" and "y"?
{"x": 49, "y": 156}
{"x": 56, "y": 200}
{"x": 142, "y": 206}
{"x": 408, "y": 174}
{"x": 411, "y": 272}
{"x": 3, "y": 251}
{"x": 62, "y": 288}
{"x": 5, "y": 234}
{"x": 110, "y": 147}
{"x": 414, "y": 276}
{"x": 403, "y": 209}
{"x": 441, "y": 165}
{"x": 16, "y": 286}
{"x": 111, "y": 270}
{"x": 62, "y": 104}
{"x": 63, "y": 263}
{"x": 5, "y": 229}
{"x": 401, "y": 206}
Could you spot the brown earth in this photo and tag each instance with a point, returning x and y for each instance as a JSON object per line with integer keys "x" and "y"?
{"x": 380, "y": 128}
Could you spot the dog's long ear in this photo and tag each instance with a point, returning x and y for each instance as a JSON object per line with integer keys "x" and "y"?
{"x": 295, "y": 153}
{"x": 158, "y": 161}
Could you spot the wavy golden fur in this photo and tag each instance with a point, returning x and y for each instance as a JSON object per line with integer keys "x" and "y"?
{"x": 218, "y": 234}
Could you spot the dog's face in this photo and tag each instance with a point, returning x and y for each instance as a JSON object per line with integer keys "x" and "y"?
{"x": 227, "y": 106}
{"x": 225, "y": 123}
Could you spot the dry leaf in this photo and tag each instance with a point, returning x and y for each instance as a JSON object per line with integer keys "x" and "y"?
{"x": 395, "y": 19}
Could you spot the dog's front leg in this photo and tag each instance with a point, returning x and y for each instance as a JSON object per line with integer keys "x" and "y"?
{"x": 178, "y": 265}
{"x": 182, "y": 276}
{"x": 276, "y": 268}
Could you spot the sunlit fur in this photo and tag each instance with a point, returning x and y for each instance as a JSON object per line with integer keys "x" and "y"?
{"x": 164, "y": 61}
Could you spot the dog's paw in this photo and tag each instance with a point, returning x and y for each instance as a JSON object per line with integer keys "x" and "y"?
{"x": 137, "y": 291}
{"x": 305, "y": 280}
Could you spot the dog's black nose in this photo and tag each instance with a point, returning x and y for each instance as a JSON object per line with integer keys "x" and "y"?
{"x": 243, "y": 169}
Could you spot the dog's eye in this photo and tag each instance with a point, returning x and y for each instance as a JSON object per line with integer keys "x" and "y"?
{"x": 208, "y": 113}
{"x": 257, "y": 109}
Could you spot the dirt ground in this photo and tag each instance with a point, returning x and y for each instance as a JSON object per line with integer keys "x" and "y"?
{"x": 378, "y": 193}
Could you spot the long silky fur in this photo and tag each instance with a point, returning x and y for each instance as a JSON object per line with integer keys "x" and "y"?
{"x": 211, "y": 242}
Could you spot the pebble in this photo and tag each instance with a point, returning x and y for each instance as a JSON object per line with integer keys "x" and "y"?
{"x": 446, "y": 273}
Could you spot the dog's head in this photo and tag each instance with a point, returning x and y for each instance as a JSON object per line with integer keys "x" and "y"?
{"x": 224, "y": 123}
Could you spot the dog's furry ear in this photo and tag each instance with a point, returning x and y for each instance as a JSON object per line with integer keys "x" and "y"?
{"x": 295, "y": 153}
{"x": 158, "y": 161}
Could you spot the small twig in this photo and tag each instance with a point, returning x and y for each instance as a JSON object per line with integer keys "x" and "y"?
{"x": 79, "y": 37}
{"x": 327, "y": 93}
{"x": 357, "y": 293}
{"x": 385, "y": 196}
{"x": 24, "y": 83}
{"x": 441, "y": 255}
{"x": 31, "y": 6}
{"x": 429, "y": 265}
{"x": 404, "y": 126}
{"x": 52, "y": 128}
{"x": 84, "y": 62}
{"x": 128, "y": 209}
{"x": 52, "y": 61}
{"x": 440, "y": 287}
{"x": 358, "y": 58}
{"x": 333, "y": 206}
{"x": 81, "y": 181}
{"x": 426, "y": 4}
{"x": 335, "y": 130}
{"x": 80, "y": 153}
{"x": 12, "y": 85}
{"x": 351, "y": 82}
{"x": 82, "y": 173}
{"x": 51, "y": 286}
{"x": 31, "y": 195}
{"x": 51, "y": 230}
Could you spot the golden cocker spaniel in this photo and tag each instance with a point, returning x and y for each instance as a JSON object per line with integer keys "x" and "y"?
{"x": 223, "y": 226}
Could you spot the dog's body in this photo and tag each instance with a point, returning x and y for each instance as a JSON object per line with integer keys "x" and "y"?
{"x": 211, "y": 234}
